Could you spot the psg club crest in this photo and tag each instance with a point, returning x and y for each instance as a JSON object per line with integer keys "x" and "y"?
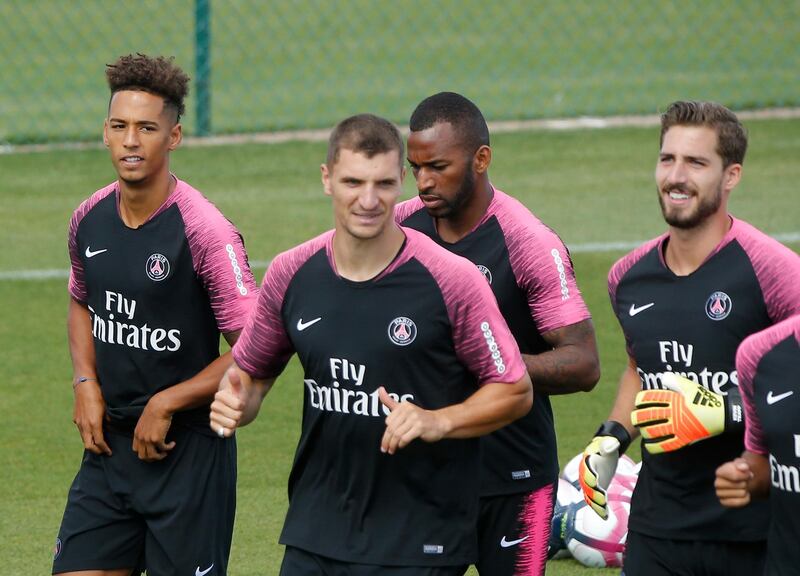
{"x": 157, "y": 267}
{"x": 486, "y": 272}
{"x": 718, "y": 306}
{"x": 402, "y": 331}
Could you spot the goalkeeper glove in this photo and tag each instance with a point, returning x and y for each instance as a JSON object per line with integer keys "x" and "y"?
{"x": 683, "y": 414}
{"x": 599, "y": 463}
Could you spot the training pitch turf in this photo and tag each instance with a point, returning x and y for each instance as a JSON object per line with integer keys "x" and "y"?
{"x": 591, "y": 186}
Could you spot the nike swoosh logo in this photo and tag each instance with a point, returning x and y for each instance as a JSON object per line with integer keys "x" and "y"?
{"x": 303, "y": 325}
{"x": 89, "y": 252}
{"x": 634, "y": 310}
{"x": 199, "y": 572}
{"x": 772, "y": 398}
{"x": 508, "y": 543}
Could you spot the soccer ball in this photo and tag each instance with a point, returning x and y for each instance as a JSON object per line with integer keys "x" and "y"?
{"x": 595, "y": 542}
{"x": 591, "y": 540}
{"x": 626, "y": 475}
{"x": 566, "y": 496}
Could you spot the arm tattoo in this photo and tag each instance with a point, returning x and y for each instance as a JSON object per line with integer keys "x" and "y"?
{"x": 571, "y": 366}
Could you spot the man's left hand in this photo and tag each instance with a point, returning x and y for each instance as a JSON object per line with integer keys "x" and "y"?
{"x": 683, "y": 414}
{"x": 150, "y": 435}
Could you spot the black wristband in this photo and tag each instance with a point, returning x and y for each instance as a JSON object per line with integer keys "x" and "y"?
{"x": 734, "y": 411}
{"x": 618, "y": 431}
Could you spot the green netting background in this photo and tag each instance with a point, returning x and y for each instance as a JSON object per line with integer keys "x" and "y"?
{"x": 275, "y": 65}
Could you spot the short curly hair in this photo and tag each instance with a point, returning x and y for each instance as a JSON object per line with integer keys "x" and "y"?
{"x": 157, "y": 75}
{"x": 458, "y": 111}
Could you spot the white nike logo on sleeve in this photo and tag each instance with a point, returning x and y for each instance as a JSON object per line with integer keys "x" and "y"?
{"x": 199, "y": 572}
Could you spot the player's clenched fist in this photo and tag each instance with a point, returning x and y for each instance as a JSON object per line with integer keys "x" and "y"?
{"x": 732, "y": 483}
{"x": 407, "y": 422}
{"x": 150, "y": 434}
{"x": 228, "y": 406}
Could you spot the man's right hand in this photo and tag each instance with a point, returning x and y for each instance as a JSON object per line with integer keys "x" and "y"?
{"x": 595, "y": 471}
{"x": 731, "y": 483}
{"x": 89, "y": 414}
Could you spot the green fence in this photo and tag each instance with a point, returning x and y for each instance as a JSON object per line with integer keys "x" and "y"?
{"x": 307, "y": 63}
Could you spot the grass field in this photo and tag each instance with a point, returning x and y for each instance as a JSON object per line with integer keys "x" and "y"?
{"x": 591, "y": 186}
{"x": 307, "y": 63}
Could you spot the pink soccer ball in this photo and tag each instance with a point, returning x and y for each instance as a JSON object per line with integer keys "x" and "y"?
{"x": 627, "y": 471}
{"x": 593, "y": 541}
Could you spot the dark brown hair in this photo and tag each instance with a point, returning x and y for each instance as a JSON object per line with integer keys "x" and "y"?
{"x": 731, "y": 135}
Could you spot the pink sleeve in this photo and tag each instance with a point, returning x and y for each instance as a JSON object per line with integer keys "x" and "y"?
{"x": 747, "y": 358}
{"x": 543, "y": 268}
{"x": 777, "y": 269}
{"x": 264, "y": 348}
{"x": 482, "y": 339}
{"x": 407, "y": 208}
{"x": 621, "y": 267}
{"x": 618, "y": 271}
{"x": 77, "y": 285}
{"x": 219, "y": 259}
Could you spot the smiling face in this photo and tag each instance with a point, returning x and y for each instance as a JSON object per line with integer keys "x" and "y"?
{"x": 140, "y": 134}
{"x": 443, "y": 169}
{"x": 364, "y": 191}
{"x": 692, "y": 183}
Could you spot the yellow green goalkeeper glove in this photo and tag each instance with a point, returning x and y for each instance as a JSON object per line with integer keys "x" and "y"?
{"x": 683, "y": 414}
{"x": 599, "y": 464}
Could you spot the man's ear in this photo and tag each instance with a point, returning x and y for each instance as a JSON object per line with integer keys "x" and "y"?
{"x": 175, "y": 136}
{"x": 733, "y": 174}
{"x": 482, "y": 159}
{"x": 326, "y": 179}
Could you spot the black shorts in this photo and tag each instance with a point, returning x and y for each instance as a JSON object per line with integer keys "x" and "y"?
{"x": 513, "y": 531}
{"x": 297, "y": 562}
{"x": 648, "y": 556}
{"x": 169, "y": 517}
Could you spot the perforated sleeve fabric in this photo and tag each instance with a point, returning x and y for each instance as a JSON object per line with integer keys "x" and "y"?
{"x": 482, "y": 338}
{"x": 264, "y": 347}
{"x": 541, "y": 265}
{"x": 219, "y": 258}
{"x": 776, "y": 266}
{"x": 748, "y": 357}
{"x": 77, "y": 285}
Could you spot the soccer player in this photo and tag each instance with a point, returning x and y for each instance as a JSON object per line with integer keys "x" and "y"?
{"x": 529, "y": 270}
{"x": 685, "y": 301}
{"x": 157, "y": 274}
{"x": 407, "y": 360}
{"x": 768, "y": 364}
